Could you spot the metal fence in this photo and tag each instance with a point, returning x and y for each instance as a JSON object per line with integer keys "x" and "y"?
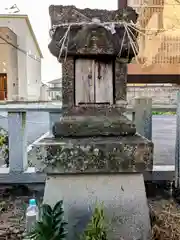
{"x": 18, "y": 170}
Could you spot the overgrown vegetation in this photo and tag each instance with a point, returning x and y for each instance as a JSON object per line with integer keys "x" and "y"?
{"x": 51, "y": 225}
{"x": 96, "y": 229}
{"x": 165, "y": 218}
{"x": 4, "y": 150}
{"x": 163, "y": 113}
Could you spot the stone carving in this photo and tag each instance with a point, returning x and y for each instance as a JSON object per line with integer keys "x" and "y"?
{"x": 88, "y": 37}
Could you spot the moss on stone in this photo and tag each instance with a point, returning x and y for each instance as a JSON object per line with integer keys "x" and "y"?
{"x": 94, "y": 126}
{"x": 97, "y": 155}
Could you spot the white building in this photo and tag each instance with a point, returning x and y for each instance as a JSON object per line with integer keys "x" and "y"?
{"x": 55, "y": 89}
{"x": 20, "y": 59}
{"x": 44, "y": 95}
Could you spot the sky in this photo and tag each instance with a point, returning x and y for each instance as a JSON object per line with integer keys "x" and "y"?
{"x": 39, "y": 17}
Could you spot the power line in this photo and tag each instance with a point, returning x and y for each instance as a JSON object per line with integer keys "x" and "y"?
{"x": 19, "y": 49}
{"x": 14, "y": 7}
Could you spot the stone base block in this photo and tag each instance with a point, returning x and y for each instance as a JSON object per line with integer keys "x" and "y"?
{"x": 100, "y": 154}
{"x": 123, "y": 197}
{"x": 91, "y": 109}
{"x": 79, "y": 126}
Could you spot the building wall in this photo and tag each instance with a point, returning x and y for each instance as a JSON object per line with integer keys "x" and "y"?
{"x": 160, "y": 94}
{"x": 22, "y": 69}
{"x": 55, "y": 89}
{"x": 29, "y": 67}
{"x": 54, "y": 85}
{"x": 134, "y": 68}
{"x": 34, "y": 69}
{"x": 55, "y": 94}
{"x": 44, "y": 96}
{"x": 9, "y": 61}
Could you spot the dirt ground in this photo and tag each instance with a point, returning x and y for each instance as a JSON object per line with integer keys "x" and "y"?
{"x": 165, "y": 219}
{"x": 165, "y": 215}
{"x": 13, "y": 204}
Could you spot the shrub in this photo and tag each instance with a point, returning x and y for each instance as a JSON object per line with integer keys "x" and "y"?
{"x": 4, "y": 149}
{"x": 96, "y": 229}
{"x": 51, "y": 225}
{"x": 163, "y": 113}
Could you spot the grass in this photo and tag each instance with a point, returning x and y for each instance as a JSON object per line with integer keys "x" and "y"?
{"x": 163, "y": 113}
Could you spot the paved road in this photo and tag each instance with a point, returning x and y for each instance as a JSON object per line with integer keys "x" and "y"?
{"x": 37, "y": 124}
{"x": 164, "y": 134}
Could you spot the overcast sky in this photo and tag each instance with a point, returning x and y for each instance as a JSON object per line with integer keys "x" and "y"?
{"x": 38, "y": 14}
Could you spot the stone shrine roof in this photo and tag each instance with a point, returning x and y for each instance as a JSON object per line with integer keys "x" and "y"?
{"x": 68, "y": 14}
{"x": 92, "y": 32}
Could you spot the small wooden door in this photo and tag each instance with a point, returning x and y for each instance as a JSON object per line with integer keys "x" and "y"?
{"x": 84, "y": 81}
{"x": 93, "y": 82}
{"x": 103, "y": 83}
{"x": 3, "y": 86}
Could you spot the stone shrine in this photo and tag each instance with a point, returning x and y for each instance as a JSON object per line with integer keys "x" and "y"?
{"x": 94, "y": 143}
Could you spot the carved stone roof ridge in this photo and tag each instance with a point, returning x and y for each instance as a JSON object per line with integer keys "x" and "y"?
{"x": 61, "y": 14}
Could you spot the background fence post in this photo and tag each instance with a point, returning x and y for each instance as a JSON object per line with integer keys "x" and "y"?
{"x": 53, "y": 117}
{"x": 177, "y": 149}
{"x": 143, "y": 116}
{"x": 17, "y": 133}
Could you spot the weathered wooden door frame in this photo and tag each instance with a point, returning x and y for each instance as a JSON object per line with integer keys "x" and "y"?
{"x": 3, "y": 91}
{"x": 94, "y": 75}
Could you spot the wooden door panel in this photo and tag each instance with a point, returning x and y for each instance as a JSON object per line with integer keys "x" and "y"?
{"x": 103, "y": 83}
{"x": 2, "y": 87}
{"x": 84, "y": 81}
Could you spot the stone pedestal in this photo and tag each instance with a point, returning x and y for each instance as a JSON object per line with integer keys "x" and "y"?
{"x": 96, "y": 153}
{"x": 120, "y": 154}
{"x": 123, "y": 196}
{"x": 82, "y": 171}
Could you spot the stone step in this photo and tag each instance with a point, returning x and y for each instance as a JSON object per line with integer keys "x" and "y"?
{"x": 80, "y": 126}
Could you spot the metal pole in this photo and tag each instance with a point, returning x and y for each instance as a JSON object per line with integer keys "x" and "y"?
{"x": 53, "y": 117}
{"x": 122, "y": 4}
{"x": 177, "y": 149}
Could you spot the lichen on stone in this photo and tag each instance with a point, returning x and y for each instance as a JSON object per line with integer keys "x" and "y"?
{"x": 99, "y": 156}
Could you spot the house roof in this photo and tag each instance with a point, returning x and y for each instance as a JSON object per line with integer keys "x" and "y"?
{"x": 58, "y": 80}
{"x": 24, "y": 16}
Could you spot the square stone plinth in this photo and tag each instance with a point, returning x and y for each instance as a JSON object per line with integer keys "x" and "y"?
{"x": 123, "y": 198}
{"x": 90, "y": 155}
